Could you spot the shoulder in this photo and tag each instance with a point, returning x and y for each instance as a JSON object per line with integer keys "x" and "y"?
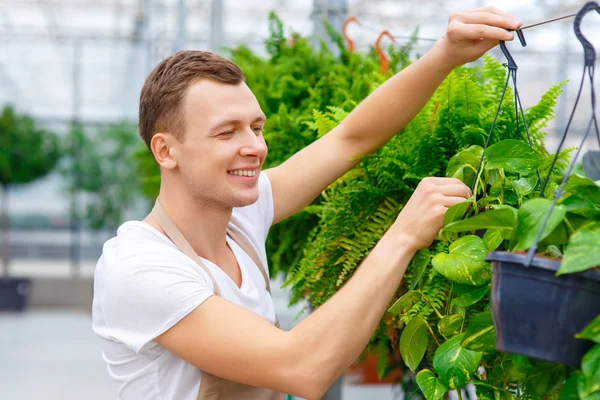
{"x": 143, "y": 285}
{"x": 139, "y": 254}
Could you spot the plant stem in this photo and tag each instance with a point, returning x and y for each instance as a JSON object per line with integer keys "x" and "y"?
{"x": 459, "y": 394}
{"x": 431, "y": 305}
{"x": 432, "y": 334}
{"x": 502, "y": 186}
{"x": 477, "y": 182}
{"x": 571, "y": 229}
{"x": 449, "y": 297}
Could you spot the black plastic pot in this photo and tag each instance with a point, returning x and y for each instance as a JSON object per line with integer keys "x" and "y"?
{"x": 14, "y": 293}
{"x": 536, "y": 313}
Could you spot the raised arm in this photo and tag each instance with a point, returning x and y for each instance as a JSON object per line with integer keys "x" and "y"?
{"x": 300, "y": 179}
{"x": 229, "y": 341}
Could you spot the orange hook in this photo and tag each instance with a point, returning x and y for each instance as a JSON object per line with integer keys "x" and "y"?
{"x": 349, "y": 42}
{"x": 383, "y": 61}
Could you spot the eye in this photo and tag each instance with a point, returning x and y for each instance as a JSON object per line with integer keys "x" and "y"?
{"x": 258, "y": 129}
{"x": 227, "y": 133}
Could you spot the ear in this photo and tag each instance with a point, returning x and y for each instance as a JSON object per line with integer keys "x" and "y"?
{"x": 161, "y": 145}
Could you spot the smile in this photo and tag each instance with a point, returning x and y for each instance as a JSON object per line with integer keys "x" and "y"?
{"x": 243, "y": 172}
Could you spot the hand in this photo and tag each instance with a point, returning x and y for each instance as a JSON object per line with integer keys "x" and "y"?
{"x": 422, "y": 217}
{"x": 472, "y": 33}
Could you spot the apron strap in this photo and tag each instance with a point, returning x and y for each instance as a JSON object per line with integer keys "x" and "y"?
{"x": 167, "y": 224}
{"x": 248, "y": 249}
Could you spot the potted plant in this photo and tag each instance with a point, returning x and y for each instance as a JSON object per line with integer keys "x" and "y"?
{"x": 26, "y": 154}
{"x": 538, "y": 301}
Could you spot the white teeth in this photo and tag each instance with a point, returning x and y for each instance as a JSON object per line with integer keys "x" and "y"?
{"x": 243, "y": 173}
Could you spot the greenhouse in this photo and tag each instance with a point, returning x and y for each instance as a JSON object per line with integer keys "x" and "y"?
{"x": 337, "y": 199}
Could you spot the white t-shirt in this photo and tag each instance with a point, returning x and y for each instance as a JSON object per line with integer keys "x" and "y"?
{"x": 144, "y": 285}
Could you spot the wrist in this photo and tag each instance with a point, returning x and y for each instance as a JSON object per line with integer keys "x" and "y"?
{"x": 443, "y": 57}
{"x": 395, "y": 250}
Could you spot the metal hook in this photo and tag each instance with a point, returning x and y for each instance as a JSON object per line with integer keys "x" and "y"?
{"x": 349, "y": 42}
{"x": 511, "y": 62}
{"x": 589, "y": 52}
{"x": 383, "y": 61}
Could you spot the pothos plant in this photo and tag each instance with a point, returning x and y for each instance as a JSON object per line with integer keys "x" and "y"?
{"x": 441, "y": 324}
{"x": 506, "y": 209}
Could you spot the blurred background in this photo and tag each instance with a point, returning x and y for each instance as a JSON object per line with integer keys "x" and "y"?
{"x": 73, "y": 69}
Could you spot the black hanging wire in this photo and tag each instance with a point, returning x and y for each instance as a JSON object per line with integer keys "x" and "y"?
{"x": 589, "y": 70}
{"x": 512, "y": 73}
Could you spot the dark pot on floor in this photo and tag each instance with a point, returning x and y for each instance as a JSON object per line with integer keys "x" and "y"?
{"x": 14, "y": 293}
{"x": 537, "y": 314}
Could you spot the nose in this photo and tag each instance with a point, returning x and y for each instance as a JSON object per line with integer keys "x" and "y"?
{"x": 254, "y": 145}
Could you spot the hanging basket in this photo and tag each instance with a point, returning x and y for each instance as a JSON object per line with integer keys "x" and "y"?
{"x": 536, "y": 313}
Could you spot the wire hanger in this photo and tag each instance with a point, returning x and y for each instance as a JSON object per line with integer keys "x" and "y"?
{"x": 589, "y": 70}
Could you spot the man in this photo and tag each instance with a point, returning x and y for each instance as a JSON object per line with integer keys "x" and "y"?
{"x": 180, "y": 302}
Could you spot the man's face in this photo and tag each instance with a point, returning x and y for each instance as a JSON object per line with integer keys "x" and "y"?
{"x": 223, "y": 149}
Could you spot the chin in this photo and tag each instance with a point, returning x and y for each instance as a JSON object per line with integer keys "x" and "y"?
{"x": 244, "y": 201}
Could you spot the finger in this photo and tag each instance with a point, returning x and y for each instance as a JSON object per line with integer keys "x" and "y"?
{"x": 491, "y": 19}
{"x": 494, "y": 10}
{"x": 438, "y": 181}
{"x": 480, "y": 31}
{"x": 456, "y": 190}
{"x": 449, "y": 201}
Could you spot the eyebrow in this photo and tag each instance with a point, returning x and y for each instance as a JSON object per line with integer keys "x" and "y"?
{"x": 262, "y": 118}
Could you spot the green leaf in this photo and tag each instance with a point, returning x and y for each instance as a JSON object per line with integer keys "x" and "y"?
{"x": 419, "y": 263}
{"x": 545, "y": 378}
{"x": 413, "y": 342}
{"x": 430, "y": 385}
{"x": 580, "y": 205}
{"x": 569, "y": 389}
{"x": 584, "y": 187}
{"x": 405, "y": 302}
{"x": 524, "y": 186}
{"x": 582, "y": 251}
{"x": 450, "y": 324}
{"x": 513, "y": 155}
{"x": 584, "y": 389}
{"x": 480, "y": 335}
{"x": 501, "y": 219}
{"x": 553, "y": 251}
{"x": 516, "y": 367}
{"x": 486, "y": 391}
{"x": 592, "y": 331}
{"x": 469, "y": 295}
{"x": 590, "y": 367}
{"x": 493, "y": 175}
{"x": 456, "y": 212}
{"x": 464, "y": 164}
{"x": 532, "y": 215}
{"x": 505, "y": 190}
{"x": 492, "y": 239}
{"x": 465, "y": 264}
{"x": 455, "y": 364}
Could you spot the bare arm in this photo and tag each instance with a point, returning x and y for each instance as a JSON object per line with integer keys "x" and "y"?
{"x": 229, "y": 341}
{"x": 300, "y": 179}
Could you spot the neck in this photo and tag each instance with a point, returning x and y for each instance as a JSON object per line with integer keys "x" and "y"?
{"x": 203, "y": 225}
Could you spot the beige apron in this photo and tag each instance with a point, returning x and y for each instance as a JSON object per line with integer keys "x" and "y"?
{"x": 211, "y": 386}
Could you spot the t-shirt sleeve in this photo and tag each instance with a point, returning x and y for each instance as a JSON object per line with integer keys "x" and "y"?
{"x": 144, "y": 298}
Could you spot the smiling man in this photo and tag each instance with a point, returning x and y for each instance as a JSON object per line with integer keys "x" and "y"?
{"x": 182, "y": 301}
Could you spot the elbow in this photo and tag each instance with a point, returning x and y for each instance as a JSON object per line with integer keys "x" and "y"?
{"x": 311, "y": 388}
{"x": 310, "y": 373}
